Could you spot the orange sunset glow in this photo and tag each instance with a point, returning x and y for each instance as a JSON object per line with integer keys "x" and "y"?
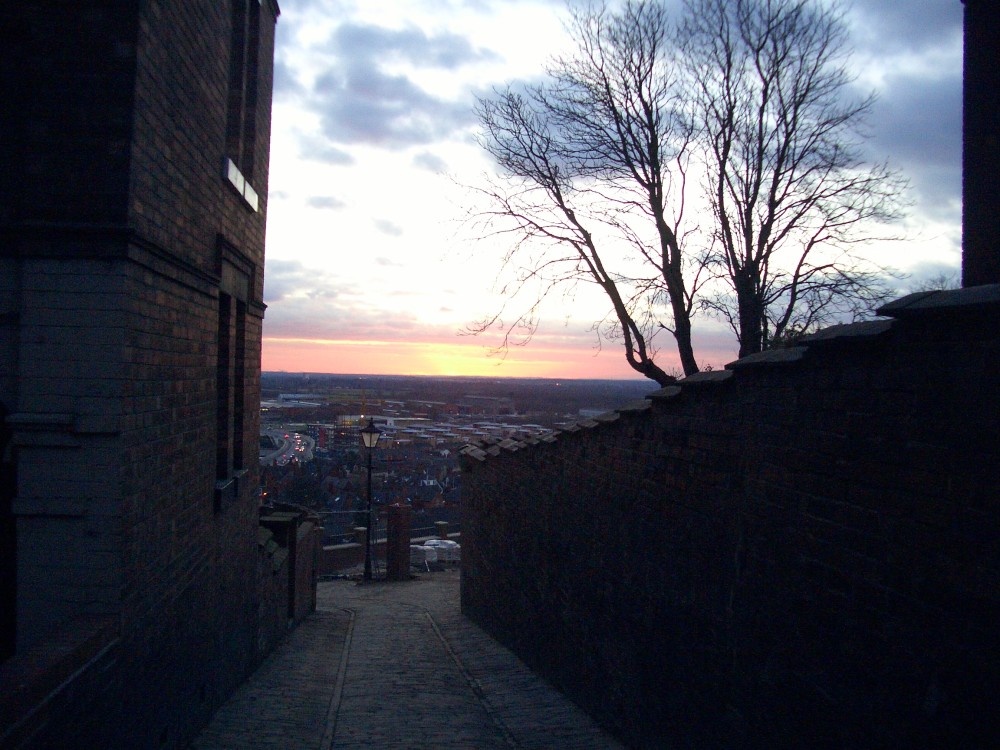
{"x": 469, "y": 358}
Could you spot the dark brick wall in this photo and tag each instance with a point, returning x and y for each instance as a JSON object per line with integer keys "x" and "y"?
{"x": 803, "y": 551}
{"x": 118, "y": 234}
{"x": 178, "y": 147}
{"x": 980, "y": 149}
{"x": 67, "y": 79}
{"x": 188, "y": 601}
{"x": 190, "y": 597}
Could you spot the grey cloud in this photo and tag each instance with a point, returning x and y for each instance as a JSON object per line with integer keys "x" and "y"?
{"x": 285, "y": 279}
{"x": 387, "y": 227}
{"x": 430, "y": 162}
{"x": 361, "y": 104}
{"x": 918, "y": 124}
{"x": 305, "y": 302}
{"x": 320, "y": 149}
{"x": 332, "y": 155}
{"x": 286, "y": 84}
{"x": 917, "y": 120}
{"x": 357, "y": 41}
{"x": 893, "y": 26}
{"x": 336, "y": 321}
{"x": 325, "y": 201}
{"x": 921, "y": 119}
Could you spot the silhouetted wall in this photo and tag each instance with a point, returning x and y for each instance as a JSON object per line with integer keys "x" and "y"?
{"x": 800, "y": 551}
{"x": 980, "y": 145}
{"x": 132, "y": 218}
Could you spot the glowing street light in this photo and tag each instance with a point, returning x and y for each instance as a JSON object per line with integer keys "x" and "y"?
{"x": 369, "y": 436}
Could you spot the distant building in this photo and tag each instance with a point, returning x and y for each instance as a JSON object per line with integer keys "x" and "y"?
{"x": 135, "y": 143}
{"x": 488, "y": 406}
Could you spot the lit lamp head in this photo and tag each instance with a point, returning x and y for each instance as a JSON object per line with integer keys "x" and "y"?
{"x": 370, "y": 434}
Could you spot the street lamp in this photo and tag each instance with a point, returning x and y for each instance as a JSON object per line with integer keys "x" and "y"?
{"x": 369, "y": 436}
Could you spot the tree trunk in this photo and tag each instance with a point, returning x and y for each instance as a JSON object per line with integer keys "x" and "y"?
{"x": 751, "y": 316}
{"x": 682, "y": 333}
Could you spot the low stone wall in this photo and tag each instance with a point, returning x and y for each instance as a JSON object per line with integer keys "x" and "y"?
{"x": 289, "y": 547}
{"x": 802, "y": 550}
{"x": 338, "y": 558}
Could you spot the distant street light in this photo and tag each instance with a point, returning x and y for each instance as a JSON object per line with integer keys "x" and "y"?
{"x": 369, "y": 436}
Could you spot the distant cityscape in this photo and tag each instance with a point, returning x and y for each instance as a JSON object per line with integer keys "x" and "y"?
{"x": 311, "y": 452}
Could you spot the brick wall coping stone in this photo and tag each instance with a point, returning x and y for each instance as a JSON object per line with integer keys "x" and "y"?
{"x": 305, "y": 529}
{"x": 768, "y": 357}
{"x": 863, "y": 329}
{"x": 708, "y": 377}
{"x": 266, "y": 542}
{"x": 671, "y": 391}
{"x": 633, "y": 406}
{"x": 986, "y": 297}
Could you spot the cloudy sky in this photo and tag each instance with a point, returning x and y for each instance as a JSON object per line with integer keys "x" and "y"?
{"x": 370, "y": 266}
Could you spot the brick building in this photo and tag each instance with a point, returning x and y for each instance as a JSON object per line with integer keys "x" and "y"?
{"x": 135, "y": 142}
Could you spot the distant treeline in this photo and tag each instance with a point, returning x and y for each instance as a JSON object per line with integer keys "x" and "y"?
{"x": 529, "y": 394}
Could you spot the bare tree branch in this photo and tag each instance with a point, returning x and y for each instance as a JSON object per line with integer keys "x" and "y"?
{"x": 785, "y": 176}
{"x": 747, "y": 99}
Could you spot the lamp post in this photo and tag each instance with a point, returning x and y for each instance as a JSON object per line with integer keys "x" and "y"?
{"x": 369, "y": 436}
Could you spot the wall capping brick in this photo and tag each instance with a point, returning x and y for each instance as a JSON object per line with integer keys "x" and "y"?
{"x": 943, "y": 301}
{"x": 848, "y": 334}
{"x": 864, "y": 329}
{"x": 670, "y": 391}
{"x": 768, "y": 358}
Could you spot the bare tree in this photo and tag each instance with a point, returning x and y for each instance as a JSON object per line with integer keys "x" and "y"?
{"x": 750, "y": 96}
{"x": 792, "y": 195}
{"x": 601, "y": 151}
{"x": 939, "y": 282}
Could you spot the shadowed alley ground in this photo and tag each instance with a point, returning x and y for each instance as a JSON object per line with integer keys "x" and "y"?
{"x": 396, "y": 665}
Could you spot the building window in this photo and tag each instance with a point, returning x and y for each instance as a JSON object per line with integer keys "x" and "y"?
{"x": 236, "y": 294}
{"x": 230, "y": 383}
{"x": 241, "y": 109}
{"x": 224, "y": 390}
{"x": 239, "y": 384}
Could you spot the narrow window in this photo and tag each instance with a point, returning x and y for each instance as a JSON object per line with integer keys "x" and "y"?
{"x": 241, "y": 113}
{"x": 224, "y": 389}
{"x": 250, "y": 89}
{"x": 237, "y": 76}
{"x": 239, "y": 384}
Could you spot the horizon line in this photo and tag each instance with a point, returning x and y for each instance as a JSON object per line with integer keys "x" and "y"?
{"x": 638, "y": 379}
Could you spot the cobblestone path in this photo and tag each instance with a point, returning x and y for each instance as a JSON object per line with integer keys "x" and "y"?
{"x": 396, "y": 665}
